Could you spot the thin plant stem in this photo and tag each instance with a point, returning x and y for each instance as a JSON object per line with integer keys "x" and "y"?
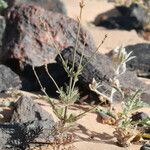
{"x": 46, "y": 68}
{"x": 65, "y": 115}
{"x": 43, "y": 89}
{"x": 79, "y": 69}
{"x": 103, "y": 95}
{"x": 97, "y": 49}
{"x": 74, "y": 75}
{"x": 77, "y": 37}
{"x": 82, "y": 114}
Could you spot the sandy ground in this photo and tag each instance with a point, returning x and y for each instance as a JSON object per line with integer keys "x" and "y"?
{"x": 90, "y": 133}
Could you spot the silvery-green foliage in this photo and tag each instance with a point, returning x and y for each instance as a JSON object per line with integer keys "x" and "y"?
{"x": 68, "y": 97}
{"x": 119, "y": 60}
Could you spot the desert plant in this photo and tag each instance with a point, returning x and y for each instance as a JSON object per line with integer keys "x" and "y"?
{"x": 69, "y": 94}
{"x": 126, "y": 129}
{"x": 119, "y": 60}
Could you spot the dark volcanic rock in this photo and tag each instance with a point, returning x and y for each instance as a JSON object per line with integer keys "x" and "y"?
{"x": 140, "y": 64}
{"x": 32, "y": 33}
{"x": 100, "y": 68}
{"x": 18, "y": 136}
{"x": 145, "y": 147}
{"x": 139, "y": 116}
{"x": 29, "y": 111}
{"x": 52, "y": 5}
{"x": 30, "y": 122}
{"x": 2, "y": 28}
{"x": 128, "y": 18}
{"x": 30, "y": 83}
{"x": 8, "y": 79}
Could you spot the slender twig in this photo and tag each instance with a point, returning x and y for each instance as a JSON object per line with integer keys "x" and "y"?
{"x": 85, "y": 112}
{"x": 43, "y": 89}
{"x": 46, "y": 68}
{"x": 79, "y": 69}
{"x": 65, "y": 115}
{"x": 97, "y": 49}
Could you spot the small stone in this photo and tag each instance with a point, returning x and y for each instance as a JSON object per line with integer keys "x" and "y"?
{"x": 8, "y": 79}
{"x": 145, "y": 147}
{"x": 139, "y": 116}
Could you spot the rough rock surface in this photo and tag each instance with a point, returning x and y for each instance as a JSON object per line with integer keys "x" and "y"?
{"x": 30, "y": 83}
{"x": 18, "y": 136}
{"x": 32, "y": 33}
{"x": 2, "y": 28}
{"x": 145, "y": 147}
{"x": 100, "y": 68}
{"x": 8, "y": 79}
{"x": 52, "y": 5}
{"x": 141, "y": 64}
{"x": 139, "y": 116}
{"x": 29, "y": 111}
{"x": 127, "y": 18}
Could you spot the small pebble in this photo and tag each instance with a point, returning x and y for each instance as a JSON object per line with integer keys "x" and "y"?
{"x": 145, "y": 147}
{"x": 139, "y": 116}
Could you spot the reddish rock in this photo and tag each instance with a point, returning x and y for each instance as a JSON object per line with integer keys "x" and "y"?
{"x": 31, "y": 33}
{"x": 52, "y": 5}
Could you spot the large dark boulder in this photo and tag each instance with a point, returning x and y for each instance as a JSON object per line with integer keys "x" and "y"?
{"x": 140, "y": 64}
{"x": 126, "y": 18}
{"x": 31, "y": 33}
{"x": 101, "y": 68}
{"x": 8, "y": 79}
{"x": 30, "y": 82}
{"x": 52, "y": 5}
